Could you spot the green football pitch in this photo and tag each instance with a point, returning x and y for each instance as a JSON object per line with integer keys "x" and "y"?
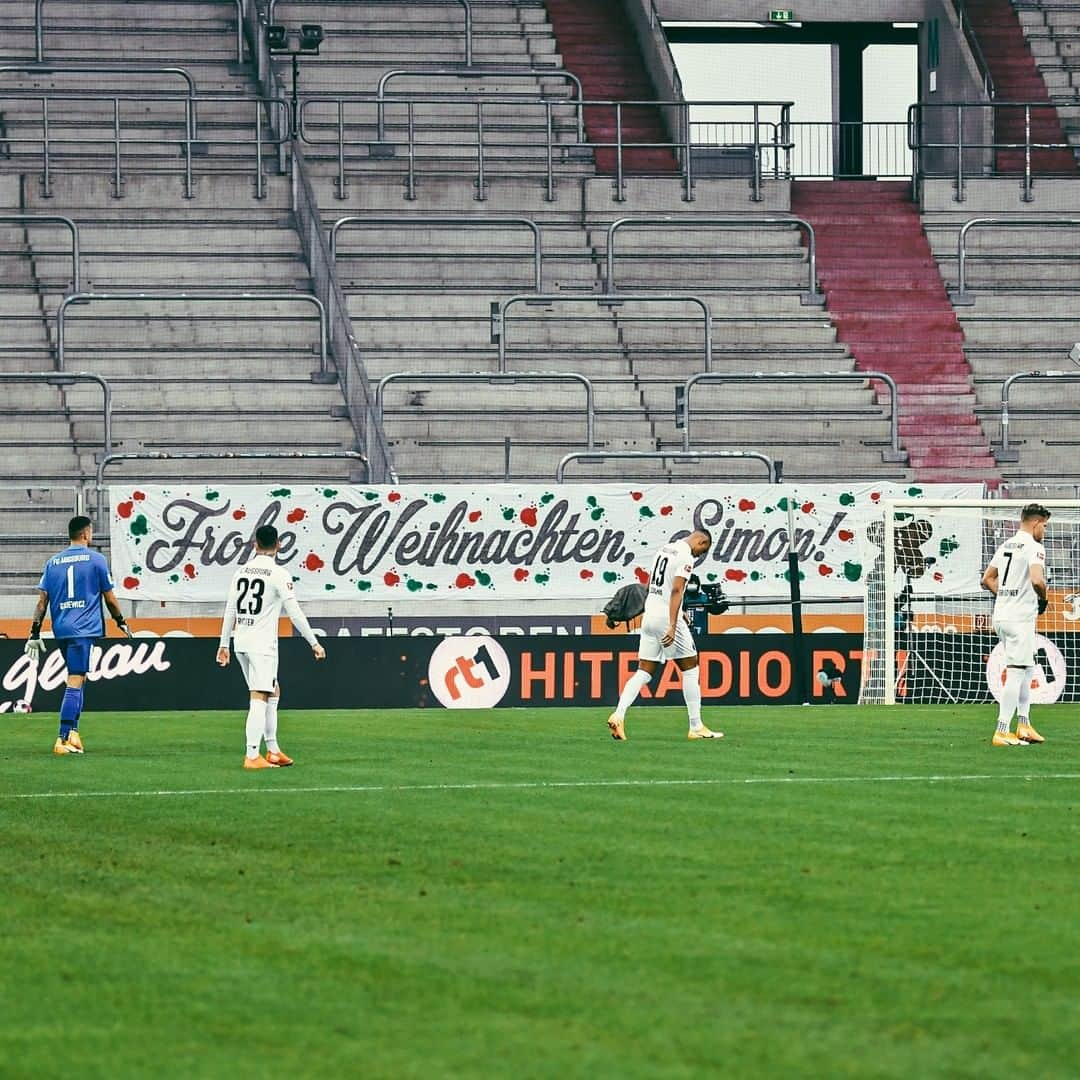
{"x": 836, "y": 891}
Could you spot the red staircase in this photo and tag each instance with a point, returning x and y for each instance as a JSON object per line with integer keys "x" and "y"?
{"x": 1016, "y": 78}
{"x": 598, "y": 45}
{"x": 886, "y": 298}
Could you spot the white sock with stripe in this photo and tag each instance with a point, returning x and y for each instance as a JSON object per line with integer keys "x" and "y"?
{"x": 637, "y": 682}
{"x": 691, "y": 688}
{"x": 1023, "y": 702}
{"x": 270, "y": 731}
{"x": 256, "y": 724}
{"x": 1010, "y": 696}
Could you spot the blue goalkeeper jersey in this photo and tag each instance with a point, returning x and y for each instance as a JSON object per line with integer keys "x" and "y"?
{"x": 74, "y": 582}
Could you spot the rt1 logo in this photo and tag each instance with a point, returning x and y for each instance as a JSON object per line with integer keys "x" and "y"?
{"x": 469, "y": 672}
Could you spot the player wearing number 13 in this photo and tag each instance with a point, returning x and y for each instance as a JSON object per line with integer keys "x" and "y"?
{"x": 1017, "y": 578}
{"x": 258, "y": 592}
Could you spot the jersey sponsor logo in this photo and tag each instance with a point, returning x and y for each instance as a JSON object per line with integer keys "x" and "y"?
{"x": 469, "y": 672}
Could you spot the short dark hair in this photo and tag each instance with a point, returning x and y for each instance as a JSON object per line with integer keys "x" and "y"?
{"x": 1034, "y": 510}
{"x": 76, "y": 526}
{"x": 266, "y": 537}
{"x": 706, "y": 534}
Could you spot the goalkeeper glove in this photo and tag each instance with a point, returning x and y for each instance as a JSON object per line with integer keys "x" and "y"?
{"x": 1044, "y": 603}
{"x": 121, "y": 624}
{"x": 34, "y": 647}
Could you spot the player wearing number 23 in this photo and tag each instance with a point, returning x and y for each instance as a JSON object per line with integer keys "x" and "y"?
{"x": 73, "y": 585}
{"x": 258, "y": 593}
{"x": 1017, "y": 578}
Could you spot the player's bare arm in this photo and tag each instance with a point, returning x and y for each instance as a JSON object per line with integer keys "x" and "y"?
{"x": 678, "y": 587}
{"x": 990, "y": 580}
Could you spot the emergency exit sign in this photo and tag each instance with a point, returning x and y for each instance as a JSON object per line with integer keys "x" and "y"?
{"x": 781, "y": 15}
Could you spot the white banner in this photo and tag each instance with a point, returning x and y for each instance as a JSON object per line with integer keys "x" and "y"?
{"x": 506, "y": 541}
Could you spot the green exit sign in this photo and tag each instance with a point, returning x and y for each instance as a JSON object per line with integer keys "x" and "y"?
{"x": 781, "y": 15}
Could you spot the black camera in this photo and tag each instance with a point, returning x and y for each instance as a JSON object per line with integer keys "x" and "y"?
{"x": 707, "y": 595}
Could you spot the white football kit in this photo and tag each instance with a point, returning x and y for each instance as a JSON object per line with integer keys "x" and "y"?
{"x": 257, "y": 594}
{"x": 1016, "y": 605}
{"x": 672, "y": 560}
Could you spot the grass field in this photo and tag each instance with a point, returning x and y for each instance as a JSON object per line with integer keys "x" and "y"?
{"x": 837, "y": 891}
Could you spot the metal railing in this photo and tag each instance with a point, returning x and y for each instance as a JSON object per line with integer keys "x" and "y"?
{"x": 501, "y": 307}
{"x": 474, "y": 73}
{"x": 895, "y": 454}
{"x": 509, "y": 377}
{"x": 978, "y": 152}
{"x": 961, "y": 294}
{"x": 812, "y": 294}
{"x": 39, "y": 28}
{"x": 122, "y": 138}
{"x": 85, "y": 298}
{"x": 348, "y": 133}
{"x": 690, "y": 457}
{"x": 52, "y": 219}
{"x": 976, "y": 49}
{"x": 467, "y": 222}
{"x": 466, "y": 4}
{"x": 67, "y": 379}
{"x": 219, "y": 455}
{"x": 1004, "y": 452}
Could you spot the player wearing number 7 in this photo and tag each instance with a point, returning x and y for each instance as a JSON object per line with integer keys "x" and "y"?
{"x": 665, "y": 634}
{"x": 73, "y": 585}
{"x": 257, "y": 595}
{"x": 1017, "y": 578}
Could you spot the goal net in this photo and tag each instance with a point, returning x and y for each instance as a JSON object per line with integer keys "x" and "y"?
{"x": 928, "y": 634}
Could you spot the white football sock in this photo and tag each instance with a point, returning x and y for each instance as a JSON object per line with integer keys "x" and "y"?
{"x": 256, "y": 724}
{"x": 637, "y": 682}
{"x": 691, "y": 688}
{"x": 270, "y": 731}
{"x": 1023, "y": 704}
{"x": 1010, "y": 695}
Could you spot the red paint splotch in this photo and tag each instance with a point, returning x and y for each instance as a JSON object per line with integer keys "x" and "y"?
{"x": 734, "y": 575}
{"x": 747, "y": 504}
{"x": 190, "y": 572}
{"x": 637, "y": 496}
{"x": 293, "y": 516}
{"x": 807, "y": 507}
{"x": 641, "y": 575}
{"x": 824, "y": 570}
{"x": 586, "y": 574}
{"x": 475, "y": 516}
{"x": 520, "y": 574}
{"x": 846, "y": 535}
{"x": 464, "y": 581}
{"x": 124, "y": 509}
{"x": 130, "y": 582}
{"x": 313, "y": 562}
{"x": 391, "y": 579}
{"x": 875, "y": 496}
{"x": 138, "y": 496}
{"x": 939, "y": 577}
{"x": 239, "y": 515}
{"x": 394, "y": 496}
{"x": 528, "y": 516}
{"x": 665, "y": 510}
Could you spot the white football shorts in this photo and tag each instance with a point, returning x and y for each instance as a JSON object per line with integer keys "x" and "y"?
{"x": 653, "y": 629}
{"x": 260, "y": 670}
{"x": 1019, "y": 641}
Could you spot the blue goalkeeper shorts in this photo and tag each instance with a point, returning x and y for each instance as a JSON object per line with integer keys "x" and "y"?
{"x": 77, "y": 654}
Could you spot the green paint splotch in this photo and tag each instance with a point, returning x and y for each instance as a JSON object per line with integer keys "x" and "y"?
{"x": 546, "y": 498}
{"x": 853, "y": 571}
{"x": 847, "y": 499}
{"x": 329, "y": 493}
{"x": 645, "y": 512}
{"x": 413, "y": 585}
{"x": 213, "y": 496}
{"x": 914, "y": 492}
{"x": 329, "y": 587}
{"x": 278, "y": 493}
{"x": 541, "y": 579}
{"x": 948, "y": 545}
{"x": 610, "y": 576}
{"x": 140, "y": 526}
{"x": 484, "y": 578}
{"x": 363, "y": 586}
{"x": 507, "y": 513}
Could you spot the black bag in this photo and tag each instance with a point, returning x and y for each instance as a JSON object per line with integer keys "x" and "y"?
{"x": 628, "y": 603}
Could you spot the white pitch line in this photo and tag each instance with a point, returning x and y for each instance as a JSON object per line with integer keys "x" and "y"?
{"x": 526, "y": 785}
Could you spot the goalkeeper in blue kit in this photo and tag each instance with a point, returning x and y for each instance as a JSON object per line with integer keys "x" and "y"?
{"x": 73, "y": 585}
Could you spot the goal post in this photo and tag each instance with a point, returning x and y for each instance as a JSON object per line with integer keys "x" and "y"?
{"x": 928, "y": 636}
